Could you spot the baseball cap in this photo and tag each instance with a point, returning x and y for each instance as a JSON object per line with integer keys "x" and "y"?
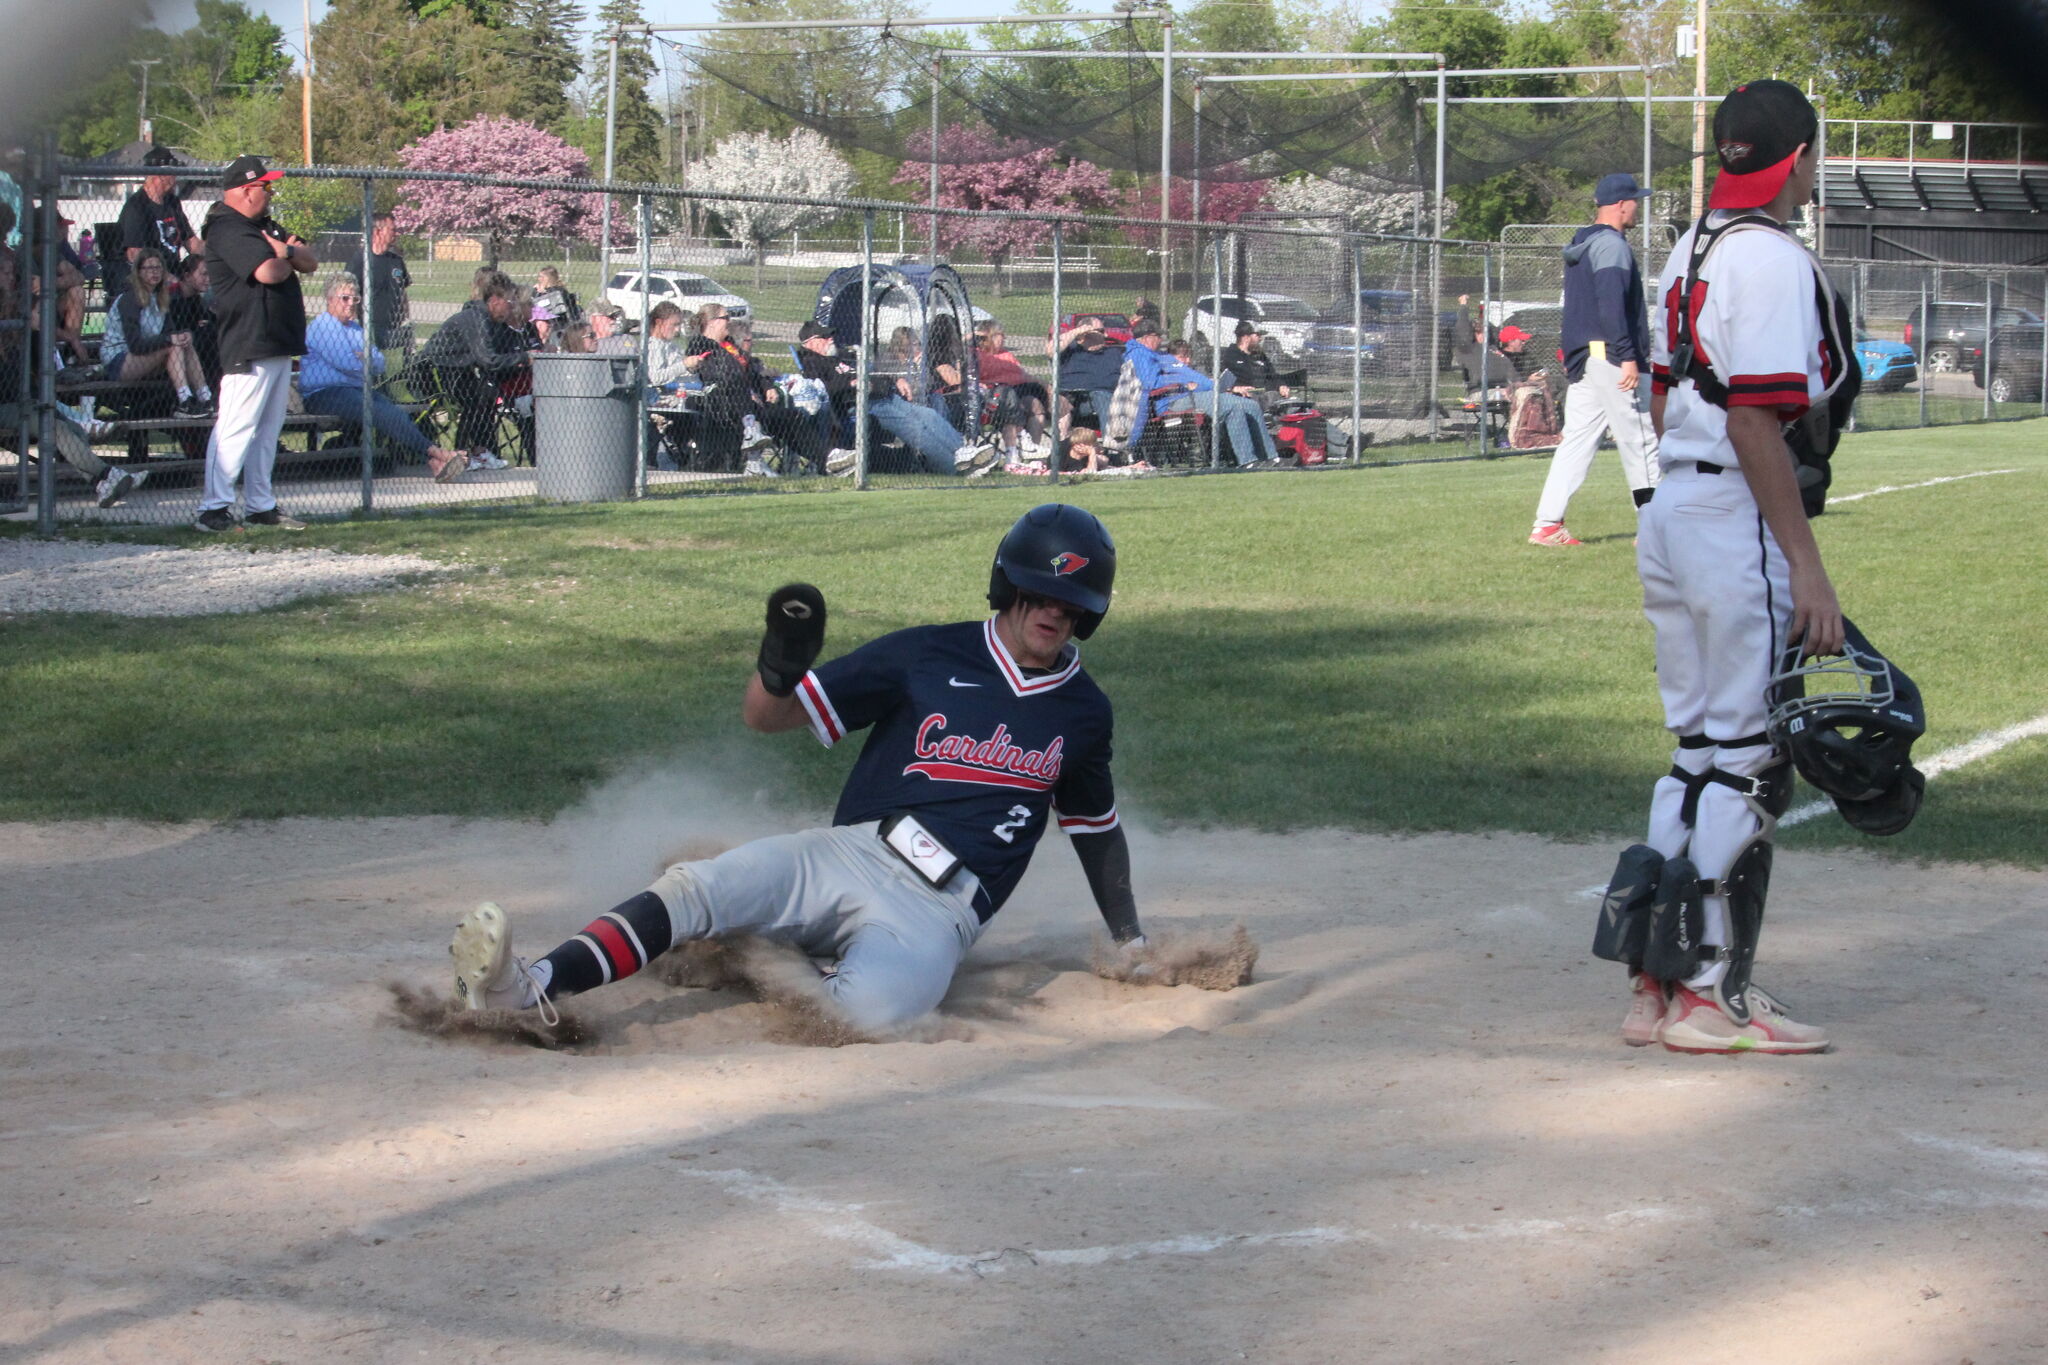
{"x": 811, "y": 330}
{"x": 1758, "y": 130}
{"x": 159, "y": 156}
{"x": 247, "y": 170}
{"x": 1616, "y": 188}
{"x": 1514, "y": 333}
{"x": 1145, "y": 327}
{"x": 1246, "y": 328}
{"x": 607, "y": 309}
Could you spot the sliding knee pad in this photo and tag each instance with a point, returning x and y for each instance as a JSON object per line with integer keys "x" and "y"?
{"x": 1624, "y": 922}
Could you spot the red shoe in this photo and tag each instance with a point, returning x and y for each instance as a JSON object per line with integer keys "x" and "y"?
{"x": 1553, "y": 534}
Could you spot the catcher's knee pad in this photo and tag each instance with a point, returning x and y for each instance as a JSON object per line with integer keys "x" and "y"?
{"x": 1677, "y": 917}
{"x": 1624, "y": 921}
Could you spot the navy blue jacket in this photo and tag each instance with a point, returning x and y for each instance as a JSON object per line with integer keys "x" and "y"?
{"x": 1603, "y": 300}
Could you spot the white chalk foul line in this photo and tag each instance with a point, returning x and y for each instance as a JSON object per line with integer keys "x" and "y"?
{"x": 1925, "y": 483}
{"x": 845, "y": 1223}
{"x": 1983, "y": 746}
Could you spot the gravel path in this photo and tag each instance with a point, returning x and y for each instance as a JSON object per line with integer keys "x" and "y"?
{"x": 155, "y": 580}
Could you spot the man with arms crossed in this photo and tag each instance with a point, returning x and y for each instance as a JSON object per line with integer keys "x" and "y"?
{"x": 254, "y": 265}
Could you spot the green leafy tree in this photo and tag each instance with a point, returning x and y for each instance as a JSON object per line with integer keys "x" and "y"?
{"x": 637, "y": 146}
{"x": 543, "y": 33}
{"x": 385, "y": 76}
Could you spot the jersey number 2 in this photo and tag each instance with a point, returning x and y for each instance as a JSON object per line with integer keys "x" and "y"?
{"x": 1007, "y": 831}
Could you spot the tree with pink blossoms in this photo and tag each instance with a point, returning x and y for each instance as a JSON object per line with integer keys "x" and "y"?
{"x": 1223, "y": 201}
{"x": 495, "y": 145}
{"x": 980, "y": 171}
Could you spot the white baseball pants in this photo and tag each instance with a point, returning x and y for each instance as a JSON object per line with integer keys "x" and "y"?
{"x": 1718, "y": 594}
{"x": 839, "y": 893}
{"x": 1593, "y": 406}
{"x": 244, "y": 442}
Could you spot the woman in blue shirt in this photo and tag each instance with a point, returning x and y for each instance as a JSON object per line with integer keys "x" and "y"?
{"x": 331, "y": 380}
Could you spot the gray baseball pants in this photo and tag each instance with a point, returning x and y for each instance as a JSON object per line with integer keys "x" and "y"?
{"x": 837, "y": 893}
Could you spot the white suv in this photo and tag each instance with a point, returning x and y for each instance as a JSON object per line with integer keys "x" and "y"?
{"x": 1283, "y": 321}
{"x": 668, "y": 284}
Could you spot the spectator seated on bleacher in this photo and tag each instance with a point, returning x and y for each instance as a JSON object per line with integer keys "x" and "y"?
{"x": 608, "y": 333}
{"x": 140, "y": 346}
{"x": 74, "y": 447}
{"x": 192, "y": 312}
{"x": 470, "y": 355}
{"x": 331, "y": 381}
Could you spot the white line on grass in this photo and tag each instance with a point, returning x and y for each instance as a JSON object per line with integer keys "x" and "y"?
{"x": 1929, "y": 483}
{"x": 1983, "y": 746}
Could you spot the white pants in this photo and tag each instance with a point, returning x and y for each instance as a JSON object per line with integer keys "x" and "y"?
{"x": 1593, "y": 406}
{"x": 1718, "y": 594}
{"x": 251, "y": 411}
{"x": 838, "y": 893}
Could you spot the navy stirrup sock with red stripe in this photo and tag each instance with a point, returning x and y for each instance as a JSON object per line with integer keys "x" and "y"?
{"x": 611, "y": 947}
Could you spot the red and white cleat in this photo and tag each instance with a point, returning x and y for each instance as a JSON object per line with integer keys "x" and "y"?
{"x": 1697, "y": 1023}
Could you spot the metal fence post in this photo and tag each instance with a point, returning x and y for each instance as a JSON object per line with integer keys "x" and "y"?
{"x": 2044, "y": 345}
{"x": 367, "y": 299}
{"x": 1357, "y": 349}
{"x": 1053, "y": 344}
{"x": 1990, "y": 344}
{"x": 1485, "y": 317}
{"x": 1215, "y": 349}
{"x": 645, "y": 220}
{"x": 867, "y": 336}
{"x": 46, "y": 391}
{"x": 1925, "y": 320}
{"x": 24, "y": 399}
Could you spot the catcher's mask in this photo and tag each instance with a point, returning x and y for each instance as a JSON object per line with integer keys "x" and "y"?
{"x": 1849, "y": 722}
{"x": 1060, "y": 552}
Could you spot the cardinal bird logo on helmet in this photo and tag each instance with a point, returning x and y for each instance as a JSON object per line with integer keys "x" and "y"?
{"x": 1066, "y": 562}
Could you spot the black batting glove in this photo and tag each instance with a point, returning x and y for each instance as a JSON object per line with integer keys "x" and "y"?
{"x": 796, "y": 632}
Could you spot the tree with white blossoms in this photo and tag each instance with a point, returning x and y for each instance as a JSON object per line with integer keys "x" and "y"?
{"x": 800, "y": 166}
{"x": 1360, "y": 206}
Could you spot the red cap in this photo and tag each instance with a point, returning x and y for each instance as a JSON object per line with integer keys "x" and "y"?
{"x": 1758, "y": 131}
{"x": 1514, "y": 333}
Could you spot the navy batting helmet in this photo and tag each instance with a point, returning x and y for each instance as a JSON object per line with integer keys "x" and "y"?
{"x": 1849, "y": 722}
{"x": 1059, "y": 552}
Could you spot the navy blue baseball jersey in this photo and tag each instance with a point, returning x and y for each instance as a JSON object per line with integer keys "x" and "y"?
{"x": 962, "y": 737}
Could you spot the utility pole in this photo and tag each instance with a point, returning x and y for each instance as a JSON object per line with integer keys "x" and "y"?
{"x": 1699, "y": 109}
{"x": 306, "y": 92}
{"x": 142, "y": 109}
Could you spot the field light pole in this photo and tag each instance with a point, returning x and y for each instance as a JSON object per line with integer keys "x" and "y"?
{"x": 611, "y": 137}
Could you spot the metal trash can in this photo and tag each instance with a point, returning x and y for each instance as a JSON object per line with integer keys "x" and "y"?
{"x": 584, "y": 411}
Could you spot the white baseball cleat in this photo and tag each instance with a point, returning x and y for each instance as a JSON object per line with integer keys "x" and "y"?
{"x": 1697, "y": 1023}
{"x": 1646, "y": 1006}
{"x": 487, "y": 975}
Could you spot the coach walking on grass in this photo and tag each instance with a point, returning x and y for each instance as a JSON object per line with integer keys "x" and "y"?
{"x": 1606, "y": 348}
{"x": 255, "y": 267}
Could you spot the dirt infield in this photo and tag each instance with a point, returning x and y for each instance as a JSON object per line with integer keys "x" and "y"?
{"x": 1415, "y": 1135}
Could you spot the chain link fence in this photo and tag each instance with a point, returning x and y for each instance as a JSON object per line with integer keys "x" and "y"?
{"x": 503, "y": 370}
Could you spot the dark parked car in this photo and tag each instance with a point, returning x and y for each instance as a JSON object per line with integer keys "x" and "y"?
{"x": 1948, "y": 335}
{"x": 2015, "y": 364}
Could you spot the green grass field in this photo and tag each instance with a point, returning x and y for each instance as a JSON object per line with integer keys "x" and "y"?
{"x": 1369, "y": 649}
